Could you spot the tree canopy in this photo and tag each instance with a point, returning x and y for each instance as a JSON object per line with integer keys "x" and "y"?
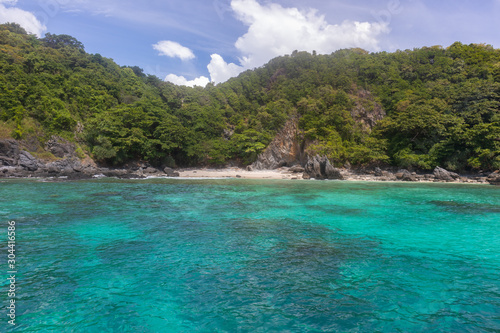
{"x": 415, "y": 108}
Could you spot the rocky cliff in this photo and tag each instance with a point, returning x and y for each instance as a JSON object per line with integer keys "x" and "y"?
{"x": 284, "y": 150}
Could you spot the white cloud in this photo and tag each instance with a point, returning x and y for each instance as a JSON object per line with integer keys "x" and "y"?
{"x": 274, "y": 31}
{"x": 24, "y": 18}
{"x": 201, "y": 81}
{"x": 173, "y": 50}
{"x": 221, "y": 71}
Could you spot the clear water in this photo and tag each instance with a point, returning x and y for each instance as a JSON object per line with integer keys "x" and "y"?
{"x": 253, "y": 256}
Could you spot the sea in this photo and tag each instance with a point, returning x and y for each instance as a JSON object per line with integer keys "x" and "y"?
{"x": 236, "y": 255}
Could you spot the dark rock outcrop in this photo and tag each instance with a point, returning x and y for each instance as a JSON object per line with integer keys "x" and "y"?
{"x": 443, "y": 174}
{"x": 320, "y": 168}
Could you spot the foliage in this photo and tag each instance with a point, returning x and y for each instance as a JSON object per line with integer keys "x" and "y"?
{"x": 441, "y": 105}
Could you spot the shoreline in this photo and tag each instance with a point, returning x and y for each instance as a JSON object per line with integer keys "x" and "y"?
{"x": 284, "y": 173}
{"x": 348, "y": 175}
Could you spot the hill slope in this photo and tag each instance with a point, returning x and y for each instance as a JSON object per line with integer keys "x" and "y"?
{"x": 415, "y": 108}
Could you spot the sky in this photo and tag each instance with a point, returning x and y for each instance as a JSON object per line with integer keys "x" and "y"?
{"x": 194, "y": 42}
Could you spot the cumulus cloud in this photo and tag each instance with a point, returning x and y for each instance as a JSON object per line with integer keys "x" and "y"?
{"x": 221, "y": 71}
{"x": 201, "y": 81}
{"x": 24, "y": 18}
{"x": 173, "y": 50}
{"x": 274, "y": 30}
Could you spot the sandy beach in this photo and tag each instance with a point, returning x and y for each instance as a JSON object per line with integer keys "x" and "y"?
{"x": 282, "y": 173}
{"x": 285, "y": 173}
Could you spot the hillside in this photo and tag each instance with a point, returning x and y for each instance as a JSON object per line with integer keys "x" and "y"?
{"x": 418, "y": 108}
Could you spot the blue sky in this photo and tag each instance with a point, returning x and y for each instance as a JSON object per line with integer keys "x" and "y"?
{"x": 194, "y": 42}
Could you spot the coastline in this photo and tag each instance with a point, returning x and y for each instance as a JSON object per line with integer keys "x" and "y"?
{"x": 285, "y": 173}
{"x": 66, "y": 165}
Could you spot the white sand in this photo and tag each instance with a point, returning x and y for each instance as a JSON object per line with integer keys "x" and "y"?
{"x": 239, "y": 173}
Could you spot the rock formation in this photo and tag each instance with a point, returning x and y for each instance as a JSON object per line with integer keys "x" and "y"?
{"x": 284, "y": 150}
{"x": 494, "y": 178}
{"x": 406, "y": 176}
{"x": 320, "y": 168}
{"x": 443, "y": 174}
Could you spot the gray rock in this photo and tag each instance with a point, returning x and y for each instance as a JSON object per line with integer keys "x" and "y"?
{"x": 443, "y": 174}
{"x": 27, "y": 161}
{"x": 150, "y": 170}
{"x": 494, "y": 178}
{"x": 60, "y": 147}
{"x": 9, "y": 152}
{"x": 170, "y": 172}
{"x": 313, "y": 168}
{"x": 297, "y": 169}
{"x": 249, "y": 168}
{"x": 320, "y": 168}
{"x": 283, "y": 150}
{"x": 331, "y": 172}
{"x": 406, "y": 176}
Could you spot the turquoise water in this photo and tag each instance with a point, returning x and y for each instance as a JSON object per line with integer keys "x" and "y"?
{"x": 252, "y": 256}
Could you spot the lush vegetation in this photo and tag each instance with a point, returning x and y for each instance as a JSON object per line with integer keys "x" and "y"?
{"x": 441, "y": 106}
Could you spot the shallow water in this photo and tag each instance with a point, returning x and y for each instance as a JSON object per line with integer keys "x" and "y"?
{"x": 253, "y": 256}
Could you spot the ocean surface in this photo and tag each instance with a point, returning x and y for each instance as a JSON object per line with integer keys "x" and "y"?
{"x": 178, "y": 255}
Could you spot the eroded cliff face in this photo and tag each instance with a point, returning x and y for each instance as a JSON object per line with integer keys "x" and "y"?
{"x": 284, "y": 150}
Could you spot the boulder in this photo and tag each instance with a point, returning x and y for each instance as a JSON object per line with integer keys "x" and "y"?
{"x": 27, "y": 161}
{"x": 150, "y": 170}
{"x": 9, "y": 152}
{"x": 405, "y": 176}
{"x": 297, "y": 169}
{"x": 313, "y": 168}
{"x": 320, "y": 168}
{"x": 170, "y": 172}
{"x": 494, "y": 178}
{"x": 331, "y": 172}
{"x": 443, "y": 174}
